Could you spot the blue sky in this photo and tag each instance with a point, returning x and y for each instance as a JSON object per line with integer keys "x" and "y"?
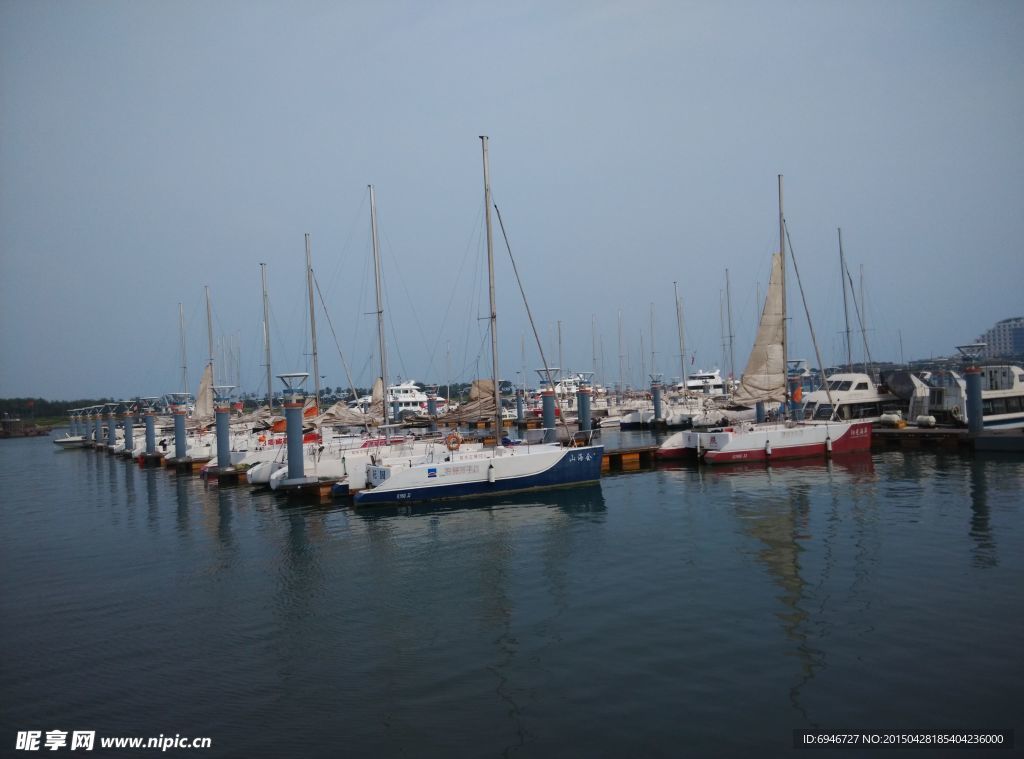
{"x": 149, "y": 149}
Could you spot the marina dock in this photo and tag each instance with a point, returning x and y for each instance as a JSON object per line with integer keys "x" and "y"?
{"x": 621, "y": 460}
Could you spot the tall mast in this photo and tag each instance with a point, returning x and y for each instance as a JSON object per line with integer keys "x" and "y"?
{"x": 312, "y": 323}
{"x": 380, "y": 303}
{"x": 643, "y": 362}
{"x": 490, "y": 279}
{"x": 522, "y": 358}
{"x": 728, "y": 313}
{"x": 864, "y": 323}
{"x": 682, "y": 342}
{"x": 266, "y": 336}
{"x": 622, "y": 384}
{"x": 209, "y": 333}
{"x": 593, "y": 347}
{"x": 654, "y": 365}
{"x": 721, "y": 323}
{"x": 238, "y": 361}
{"x": 846, "y": 312}
{"x": 782, "y": 253}
{"x": 184, "y": 355}
{"x": 561, "y": 366}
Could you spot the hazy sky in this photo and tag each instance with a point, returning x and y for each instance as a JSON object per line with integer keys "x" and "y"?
{"x": 150, "y": 148}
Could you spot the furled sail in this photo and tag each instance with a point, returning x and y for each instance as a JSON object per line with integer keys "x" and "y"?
{"x": 764, "y": 379}
{"x": 204, "y": 396}
{"x": 342, "y": 415}
{"x": 482, "y": 388}
{"x": 480, "y": 405}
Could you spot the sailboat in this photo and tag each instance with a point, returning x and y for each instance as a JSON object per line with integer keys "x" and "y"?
{"x": 764, "y": 381}
{"x": 451, "y": 470}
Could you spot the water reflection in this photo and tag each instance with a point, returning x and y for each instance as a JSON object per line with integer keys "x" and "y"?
{"x": 152, "y": 501}
{"x": 585, "y": 501}
{"x": 129, "y": 481}
{"x": 776, "y": 509}
{"x": 225, "y": 512}
{"x": 984, "y": 552}
{"x": 515, "y": 541}
{"x": 182, "y": 486}
{"x": 113, "y": 473}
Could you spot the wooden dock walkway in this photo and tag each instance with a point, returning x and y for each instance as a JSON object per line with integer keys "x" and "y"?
{"x": 631, "y": 459}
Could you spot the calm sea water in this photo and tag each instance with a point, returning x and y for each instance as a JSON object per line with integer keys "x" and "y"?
{"x": 687, "y": 611}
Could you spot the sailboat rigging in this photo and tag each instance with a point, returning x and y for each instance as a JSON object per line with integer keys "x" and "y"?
{"x": 450, "y": 470}
{"x": 764, "y": 380}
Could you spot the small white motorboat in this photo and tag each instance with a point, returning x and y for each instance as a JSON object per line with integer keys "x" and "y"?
{"x": 70, "y": 441}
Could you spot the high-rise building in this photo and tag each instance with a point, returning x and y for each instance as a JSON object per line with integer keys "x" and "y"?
{"x": 1006, "y": 338}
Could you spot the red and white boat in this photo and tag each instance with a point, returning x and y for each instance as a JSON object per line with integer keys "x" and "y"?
{"x": 785, "y": 440}
{"x": 764, "y": 381}
{"x": 768, "y": 441}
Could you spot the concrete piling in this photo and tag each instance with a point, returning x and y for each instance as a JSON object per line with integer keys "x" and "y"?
{"x": 583, "y": 398}
{"x": 179, "y": 410}
{"x": 548, "y": 407}
{"x": 150, "y": 420}
{"x": 111, "y": 428}
{"x": 222, "y": 412}
{"x": 294, "y": 400}
{"x": 975, "y": 409}
{"x": 128, "y": 419}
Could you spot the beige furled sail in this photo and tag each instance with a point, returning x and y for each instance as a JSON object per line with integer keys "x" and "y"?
{"x": 482, "y": 388}
{"x": 480, "y": 405}
{"x": 340, "y": 414}
{"x": 204, "y": 396}
{"x": 764, "y": 379}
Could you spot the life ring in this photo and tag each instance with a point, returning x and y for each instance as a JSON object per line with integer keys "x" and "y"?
{"x": 453, "y": 441}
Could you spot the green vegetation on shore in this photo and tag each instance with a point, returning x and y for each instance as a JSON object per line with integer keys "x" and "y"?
{"x": 41, "y": 411}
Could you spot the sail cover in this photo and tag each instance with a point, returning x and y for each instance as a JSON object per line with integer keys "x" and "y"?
{"x": 764, "y": 379}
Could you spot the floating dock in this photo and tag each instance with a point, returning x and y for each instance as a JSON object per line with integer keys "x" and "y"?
{"x": 621, "y": 460}
{"x": 914, "y": 438}
{"x": 919, "y": 437}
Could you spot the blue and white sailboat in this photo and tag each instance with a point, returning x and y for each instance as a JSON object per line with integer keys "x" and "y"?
{"x": 451, "y": 472}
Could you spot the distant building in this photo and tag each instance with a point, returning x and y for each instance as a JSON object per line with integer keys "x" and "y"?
{"x": 1006, "y": 338}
